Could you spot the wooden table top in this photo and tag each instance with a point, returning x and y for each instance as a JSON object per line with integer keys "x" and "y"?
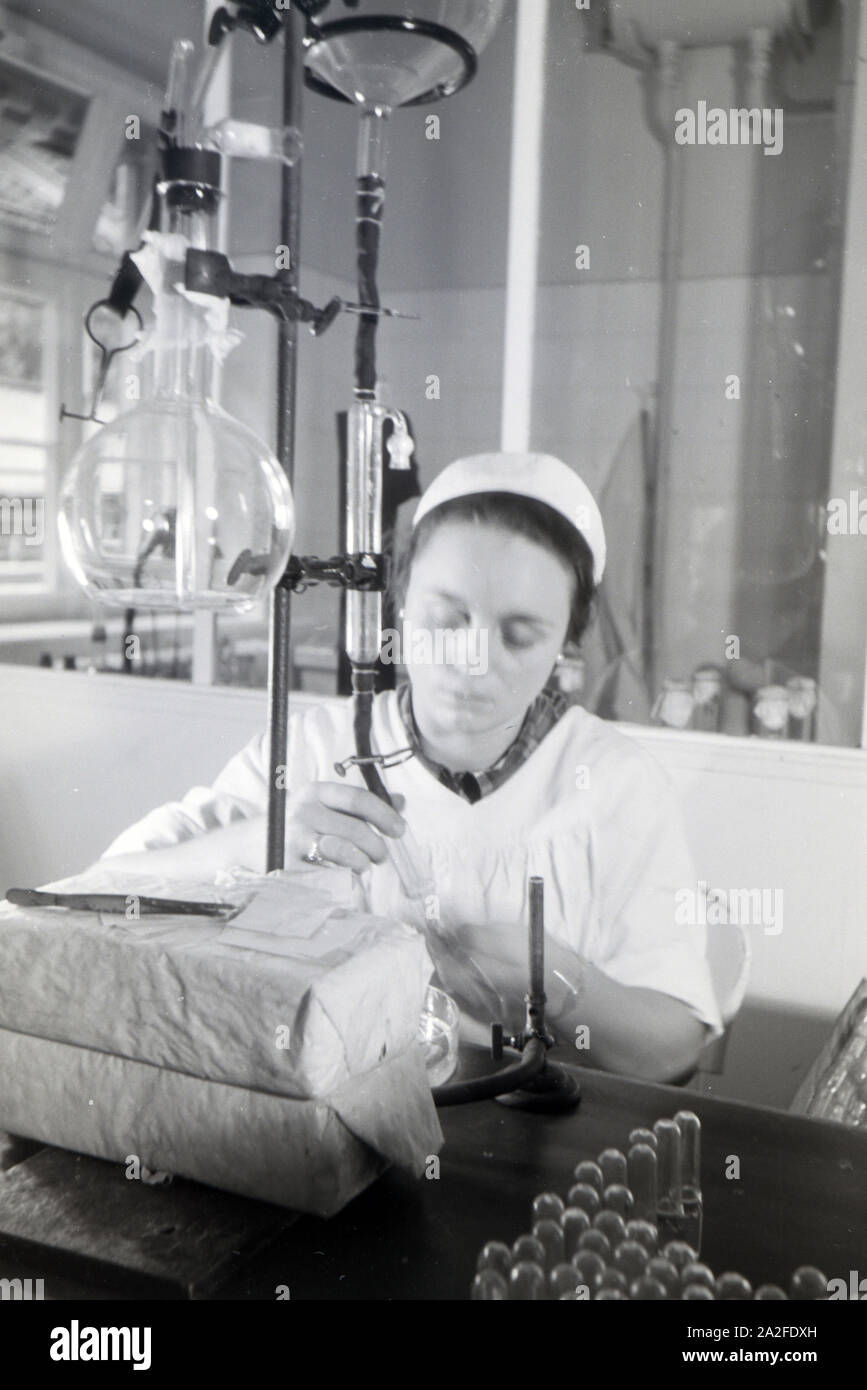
{"x": 801, "y": 1197}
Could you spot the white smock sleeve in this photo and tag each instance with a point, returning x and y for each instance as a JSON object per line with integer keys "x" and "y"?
{"x": 238, "y": 793}
{"x": 643, "y": 861}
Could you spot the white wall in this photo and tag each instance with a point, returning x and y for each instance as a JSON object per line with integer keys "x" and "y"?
{"x": 86, "y": 755}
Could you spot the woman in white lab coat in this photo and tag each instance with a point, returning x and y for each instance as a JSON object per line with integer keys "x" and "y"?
{"x": 505, "y": 781}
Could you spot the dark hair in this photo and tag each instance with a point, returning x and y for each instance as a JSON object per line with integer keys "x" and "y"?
{"x": 523, "y": 516}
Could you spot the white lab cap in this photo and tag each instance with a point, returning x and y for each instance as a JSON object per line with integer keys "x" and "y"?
{"x": 528, "y": 475}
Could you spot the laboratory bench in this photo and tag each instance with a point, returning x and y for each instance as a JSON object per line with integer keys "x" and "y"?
{"x": 779, "y": 1191}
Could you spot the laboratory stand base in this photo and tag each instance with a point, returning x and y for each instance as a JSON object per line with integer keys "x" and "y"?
{"x": 555, "y": 1089}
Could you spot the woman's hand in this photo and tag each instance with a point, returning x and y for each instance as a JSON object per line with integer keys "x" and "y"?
{"x": 624, "y": 1028}
{"x": 341, "y": 822}
{"x": 338, "y": 819}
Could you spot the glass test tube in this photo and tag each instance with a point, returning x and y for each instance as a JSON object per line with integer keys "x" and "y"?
{"x": 645, "y": 1233}
{"x": 631, "y": 1259}
{"x": 590, "y": 1173}
{"x": 548, "y": 1204}
{"x": 808, "y": 1284}
{"x": 489, "y": 1286}
{"x": 646, "y": 1289}
{"x": 618, "y": 1198}
{"x": 690, "y": 1176}
{"x": 527, "y": 1281}
{"x": 549, "y": 1234}
{"x": 406, "y": 858}
{"x": 575, "y": 1222}
{"x": 680, "y": 1254}
{"x": 529, "y": 1250}
{"x": 731, "y": 1286}
{"x": 495, "y": 1255}
{"x": 581, "y": 1194}
{"x": 590, "y": 1267}
{"x": 697, "y": 1273}
{"x": 665, "y": 1273}
{"x": 642, "y": 1166}
{"x": 612, "y": 1226}
{"x": 642, "y": 1136}
{"x": 597, "y": 1242}
{"x": 615, "y": 1279}
{"x": 612, "y": 1165}
{"x": 669, "y": 1212}
{"x": 563, "y": 1279}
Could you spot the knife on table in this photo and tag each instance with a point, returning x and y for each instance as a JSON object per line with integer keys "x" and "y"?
{"x": 117, "y": 902}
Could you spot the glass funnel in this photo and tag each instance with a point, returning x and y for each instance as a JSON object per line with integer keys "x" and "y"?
{"x": 374, "y": 65}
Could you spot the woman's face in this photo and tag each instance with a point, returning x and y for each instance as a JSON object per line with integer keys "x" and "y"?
{"x": 511, "y": 600}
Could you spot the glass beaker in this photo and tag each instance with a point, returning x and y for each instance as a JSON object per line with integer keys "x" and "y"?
{"x": 438, "y": 1030}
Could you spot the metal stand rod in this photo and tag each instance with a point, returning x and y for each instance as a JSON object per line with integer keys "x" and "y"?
{"x": 536, "y": 1001}
{"x": 280, "y": 666}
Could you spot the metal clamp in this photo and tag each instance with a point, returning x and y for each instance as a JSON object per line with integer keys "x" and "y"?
{"x": 384, "y": 760}
{"x": 363, "y": 570}
{"x": 106, "y": 358}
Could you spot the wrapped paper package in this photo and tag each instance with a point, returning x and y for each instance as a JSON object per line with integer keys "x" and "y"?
{"x": 273, "y": 1054}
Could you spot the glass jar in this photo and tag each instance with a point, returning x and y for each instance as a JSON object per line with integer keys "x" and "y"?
{"x": 803, "y": 699}
{"x": 707, "y": 685}
{"x": 770, "y": 712}
{"x": 674, "y": 705}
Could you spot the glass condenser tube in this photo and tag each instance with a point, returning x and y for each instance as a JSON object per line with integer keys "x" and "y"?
{"x": 363, "y": 528}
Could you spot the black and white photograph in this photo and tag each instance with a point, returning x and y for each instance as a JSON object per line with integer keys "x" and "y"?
{"x": 433, "y": 667}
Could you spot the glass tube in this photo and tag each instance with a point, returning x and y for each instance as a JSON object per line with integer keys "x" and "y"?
{"x": 669, "y": 1212}
{"x": 612, "y": 1226}
{"x": 527, "y": 1281}
{"x": 549, "y": 1234}
{"x": 664, "y": 1271}
{"x": 581, "y": 1194}
{"x": 408, "y": 863}
{"x": 612, "y": 1164}
{"x": 589, "y": 1172}
{"x": 548, "y": 1204}
{"x": 597, "y": 1242}
{"x": 808, "y": 1284}
{"x": 642, "y": 1136}
{"x": 733, "y": 1286}
{"x": 590, "y": 1267}
{"x": 631, "y": 1259}
{"x": 645, "y": 1233}
{"x": 690, "y": 1176}
{"x": 495, "y": 1255}
{"x": 575, "y": 1222}
{"x": 563, "y": 1279}
{"x": 642, "y": 1167}
{"x": 489, "y": 1286}
{"x": 618, "y": 1198}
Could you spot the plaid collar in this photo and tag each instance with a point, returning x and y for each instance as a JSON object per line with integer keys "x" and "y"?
{"x": 539, "y": 720}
